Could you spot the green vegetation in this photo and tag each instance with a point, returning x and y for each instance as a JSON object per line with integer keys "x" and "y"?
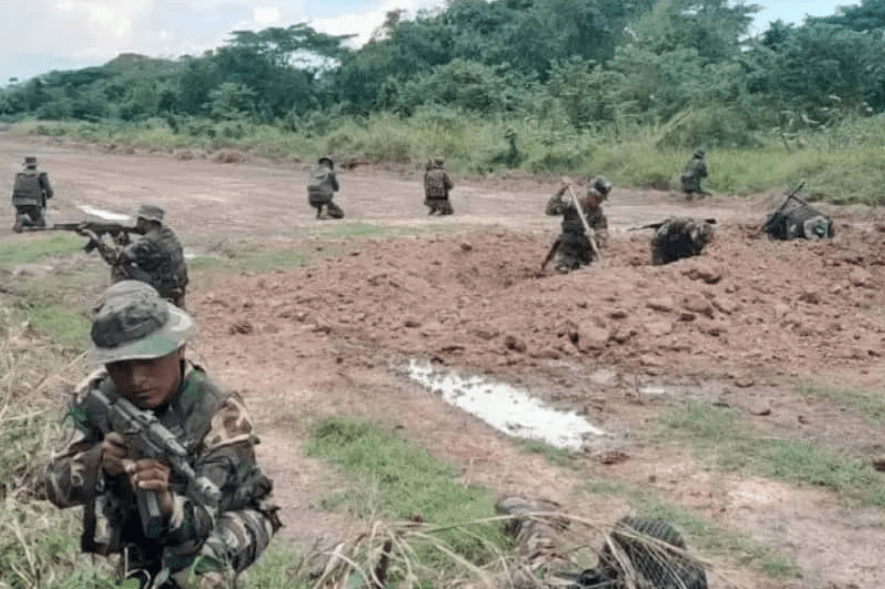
{"x": 395, "y": 478}
{"x": 702, "y": 535}
{"x": 547, "y": 86}
{"x": 736, "y": 445}
{"x": 869, "y": 405}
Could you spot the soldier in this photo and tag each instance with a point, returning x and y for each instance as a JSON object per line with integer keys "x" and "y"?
{"x": 695, "y": 170}
{"x": 573, "y": 247}
{"x": 155, "y": 257}
{"x": 140, "y": 340}
{"x": 29, "y": 195}
{"x": 678, "y": 238}
{"x": 650, "y": 553}
{"x": 321, "y": 186}
{"x": 437, "y": 184}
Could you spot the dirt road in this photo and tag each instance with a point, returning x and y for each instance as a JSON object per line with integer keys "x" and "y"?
{"x": 620, "y": 342}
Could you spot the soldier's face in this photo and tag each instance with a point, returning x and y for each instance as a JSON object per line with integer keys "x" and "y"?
{"x": 147, "y": 383}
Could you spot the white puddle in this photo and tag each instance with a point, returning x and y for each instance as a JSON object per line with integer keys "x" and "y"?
{"x": 106, "y": 215}
{"x": 506, "y": 408}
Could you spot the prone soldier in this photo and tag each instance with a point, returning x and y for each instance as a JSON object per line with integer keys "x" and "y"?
{"x": 679, "y": 237}
{"x": 29, "y": 195}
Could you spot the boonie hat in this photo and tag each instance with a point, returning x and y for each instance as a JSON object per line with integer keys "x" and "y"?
{"x": 138, "y": 325}
{"x": 151, "y": 213}
{"x": 123, "y": 289}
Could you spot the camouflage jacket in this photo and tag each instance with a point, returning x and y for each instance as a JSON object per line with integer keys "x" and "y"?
{"x": 31, "y": 189}
{"x": 214, "y": 428}
{"x": 560, "y": 204}
{"x": 156, "y": 258}
{"x": 437, "y": 183}
{"x": 322, "y": 183}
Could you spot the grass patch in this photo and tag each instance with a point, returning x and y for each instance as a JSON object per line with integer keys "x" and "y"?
{"x": 737, "y": 446}
{"x": 702, "y": 535}
{"x": 870, "y": 406}
{"x": 555, "y": 456}
{"x": 38, "y": 246}
{"x": 399, "y": 480}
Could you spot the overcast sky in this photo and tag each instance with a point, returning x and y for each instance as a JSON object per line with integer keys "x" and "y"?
{"x": 42, "y": 35}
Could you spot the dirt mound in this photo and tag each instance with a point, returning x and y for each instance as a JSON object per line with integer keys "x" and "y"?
{"x": 479, "y": 300}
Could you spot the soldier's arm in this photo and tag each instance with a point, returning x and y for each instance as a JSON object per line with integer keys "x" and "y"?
{"x": 333, "y": 179}
{"x": 228, "y": 461}
{"x": 448, "y": 180}
{"x": 44, "y": 183}
{"x": 557, "y": 204}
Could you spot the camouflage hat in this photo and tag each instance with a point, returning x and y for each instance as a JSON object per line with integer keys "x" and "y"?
{"x": 123, "y": 289}
{"x": 438, "y": 161}
{"x": 151, "y": 213}
{"x": 30, "y": 161}
{"x": 136, "y": 324}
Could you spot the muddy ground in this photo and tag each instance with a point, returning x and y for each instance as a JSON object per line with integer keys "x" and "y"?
{"x": 620, "y": 342}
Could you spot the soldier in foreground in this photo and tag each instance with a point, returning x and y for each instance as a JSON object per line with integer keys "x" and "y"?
{"x": 584, "y": 230}
{"x": 637, "y": 553}
{"x": 155, "y": 257}
{"x": 29, "y": 195}
{"x": 437, "y": 184}
{"x": 322, "y": 184}
{"x": 695, "y": 170}
{"x": 678, "y": 238}
{"x": 160, "y": 457}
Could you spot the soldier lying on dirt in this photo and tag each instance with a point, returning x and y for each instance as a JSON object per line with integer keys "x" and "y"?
{"x": 679, "y": 237}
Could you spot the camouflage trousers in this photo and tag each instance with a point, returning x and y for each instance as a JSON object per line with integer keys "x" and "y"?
{"x": 28, "y": 216}
{"x": 332, "y": 210}
{"x": 574, "y": 251}
{"x": 439, "y": 205}
{"x": 236, "y": 542}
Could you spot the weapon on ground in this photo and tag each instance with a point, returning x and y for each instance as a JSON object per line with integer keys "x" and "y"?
{"x": 146, "y": 437}
{"x": 119, "y": 233}
{"x": 551, "y": 253}
{"x": 591, "y": 235}
{"x": 774, "y": 216}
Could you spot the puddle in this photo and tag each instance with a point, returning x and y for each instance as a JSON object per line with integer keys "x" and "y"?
{"x": 505, "y": 408}
{"x": 106, "y": 215}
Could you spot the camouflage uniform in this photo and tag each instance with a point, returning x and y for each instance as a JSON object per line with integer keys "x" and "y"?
{"x": 679, "y": 238}
{"x": 156, "y": 257}
{"x": 653, "y": 549}
{"x": 213, "y": 542}
{"x": 695, "y": 169}
{"x": 574, "y": 248}
{"x": 29, "y": 195}
{"x": 322, "y": 184}
{"x": 437, "y": 184}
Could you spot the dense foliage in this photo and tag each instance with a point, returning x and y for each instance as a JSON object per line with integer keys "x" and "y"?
{"x": 688, "y": 64}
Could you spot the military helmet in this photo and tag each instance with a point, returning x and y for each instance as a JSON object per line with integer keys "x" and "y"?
{"x": 602, "y": 184}
{"x": 30, "y": 161}
{"x": 134, "y": 323}
{"x": 326, "y": 160}
{"x": 439, "y": 162}
{"x": 700, "y": 152}
{"x": 151, "y": 213}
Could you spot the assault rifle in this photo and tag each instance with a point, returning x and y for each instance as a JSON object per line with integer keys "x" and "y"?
{"x": 119, "y": 233}
{"x": 775, "y": 216}
{"x": 146, "y": 437}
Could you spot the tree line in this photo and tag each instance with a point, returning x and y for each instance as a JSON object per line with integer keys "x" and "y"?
{"x": 690, "y": 64}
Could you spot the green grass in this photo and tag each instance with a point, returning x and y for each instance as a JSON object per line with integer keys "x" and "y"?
{"x": 35, "y": 246}
{"x": 701, "y": 534}
{"x": 868, "y": 405}
{"x": 402, "y": 481}
{"x": 553, "y": 455}
{"x": 736, "y": 445}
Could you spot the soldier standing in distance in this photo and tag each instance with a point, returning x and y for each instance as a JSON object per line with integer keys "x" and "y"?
{"x": 140, "y": 340}
{"x": 575, "y": 249}
{"x": 155, "y": 257}
{"x": 29, "y": 195}
{"x": 437, "y": 184}
{"x": 695, "y": 170}
{"x": 322, "y": 184}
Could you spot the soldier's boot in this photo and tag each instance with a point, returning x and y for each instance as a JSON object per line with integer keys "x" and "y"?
{"x": 320, "y": 212}
{"x": 536, "y": 535}
{"x": 335, "y": 211}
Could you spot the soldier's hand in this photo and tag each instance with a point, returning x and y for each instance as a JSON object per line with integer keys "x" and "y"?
{"x": 113, "y": 453}
{"x": 152, "y": 475}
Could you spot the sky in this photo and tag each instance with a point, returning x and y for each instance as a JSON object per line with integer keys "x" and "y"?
{"x": 39, "y": 36}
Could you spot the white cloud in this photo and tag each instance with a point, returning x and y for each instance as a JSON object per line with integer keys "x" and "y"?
{"x": 363, "y": 24}
{"x": 269, "y": 15}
